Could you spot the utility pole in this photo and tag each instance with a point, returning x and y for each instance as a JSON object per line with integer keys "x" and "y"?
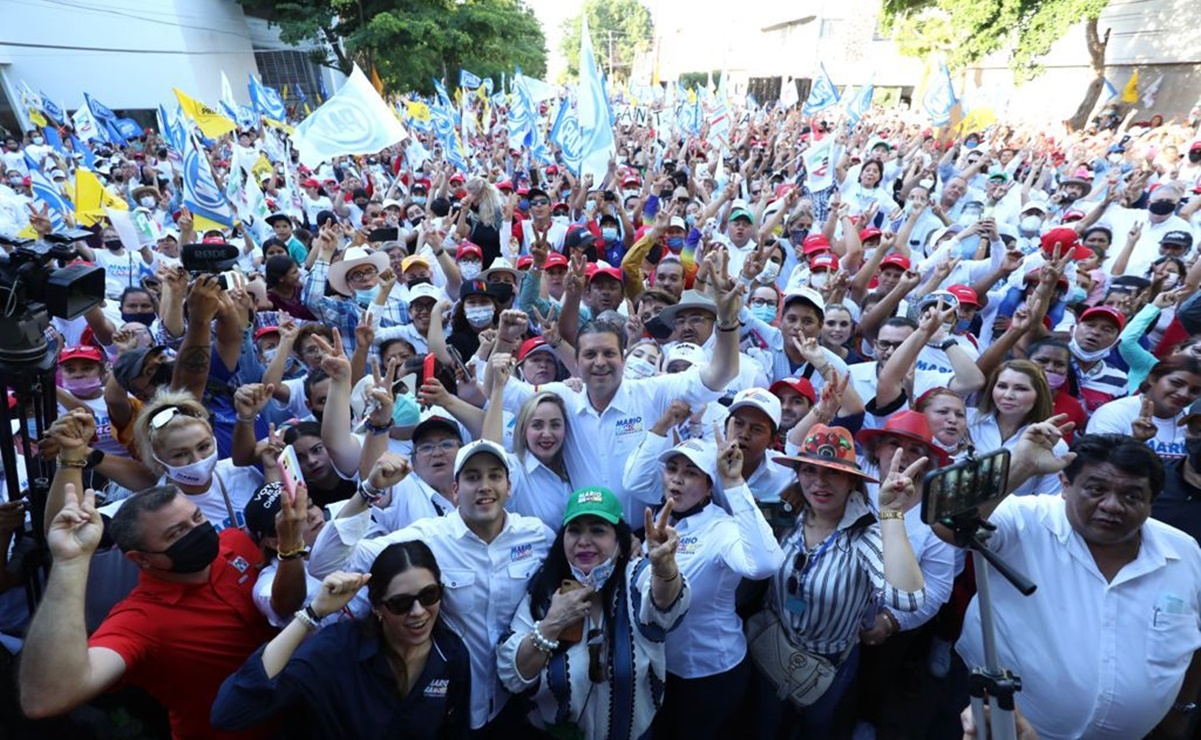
{"x": 610, "y": 55}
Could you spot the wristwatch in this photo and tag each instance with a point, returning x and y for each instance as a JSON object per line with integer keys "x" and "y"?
{"x": 948, "y": 343}
{"x": 94, "y": 458}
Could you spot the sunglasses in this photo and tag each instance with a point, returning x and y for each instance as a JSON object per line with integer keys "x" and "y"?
{"x": 540, "y": 202}
{"x": 165, "y": 415}
{"x": 402, "y": 604}
{"x": 798, "y": 566}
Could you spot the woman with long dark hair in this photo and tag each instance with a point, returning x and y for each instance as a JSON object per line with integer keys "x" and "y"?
{"x": 589, "y": 636}
{"x": 398, "y": 672}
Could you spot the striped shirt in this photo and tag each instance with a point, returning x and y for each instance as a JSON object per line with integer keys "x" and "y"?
{"x": 842, "y": 587}
{"x": 1100, "y": 385}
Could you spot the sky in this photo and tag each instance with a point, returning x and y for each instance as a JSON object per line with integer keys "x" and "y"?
{"x": 552, "y": 13}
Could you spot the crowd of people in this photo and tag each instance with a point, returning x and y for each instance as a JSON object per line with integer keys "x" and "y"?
{"x": 514, "y": 453}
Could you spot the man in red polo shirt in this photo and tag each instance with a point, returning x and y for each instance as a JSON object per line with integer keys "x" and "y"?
{"x": 190, "y": 623}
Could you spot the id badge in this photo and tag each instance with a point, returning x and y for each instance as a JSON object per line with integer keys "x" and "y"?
{"x": 795, "y": 604}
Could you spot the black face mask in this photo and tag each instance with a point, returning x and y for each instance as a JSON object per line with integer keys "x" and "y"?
{"x": 1161, "y": 207}
{"x": 1193, "y": 448}
{"x": 112, "y": 244}
{"x": 417, "y": 281}
{"x": 196, "y": 550}
{"x": 141, "y": 318}
{"x": 162, "y": 375}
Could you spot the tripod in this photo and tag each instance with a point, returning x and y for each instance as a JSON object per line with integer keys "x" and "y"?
{"x": 990, "y": 681}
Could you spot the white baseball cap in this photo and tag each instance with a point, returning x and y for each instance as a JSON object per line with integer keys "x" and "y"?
{"x": 700, "y": 452}
{"x": 424, "y": 290}
{"x": 761, "y": 399}
{"x": 686, "y": 351}
{"x": 466, "y": 452}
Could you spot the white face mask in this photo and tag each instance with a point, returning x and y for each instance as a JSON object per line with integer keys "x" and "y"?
{"x": 597, "y": 577}
{"x": 818, "y": 279}
{"x": 479, "y": 316}
{"x": 469, "y": 270}
{"x": 638, "y": 368}
{"x": 147, "y": 201}
{"x": 771, "y": 271}
{"x": 625, "y": 194}
{"x": 1171, "y": 281}
{"x": 193, "y": 474}
{"x": 559, "y": 220}
{"x": 1084, "y": 355}
{"x": 1031, "y": 224}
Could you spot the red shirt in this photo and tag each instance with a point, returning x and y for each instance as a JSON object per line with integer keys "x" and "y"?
{"x": 1066, "y": 403}
{"x": 180, "y": 641}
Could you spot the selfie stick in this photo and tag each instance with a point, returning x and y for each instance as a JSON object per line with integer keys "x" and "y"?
{"x": 990, "y": 682}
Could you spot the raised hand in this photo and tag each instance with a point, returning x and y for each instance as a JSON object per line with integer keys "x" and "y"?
{"x": 661, "y": 543}
{"x": 549, "y": 328}
{"x": 291, "y": 518}
{"x": 389, "y": 470}
{"x": 501, "y": 364}
{"x": 1036, "y": 446}
{"x": 576, "y": 277}
{"x": 334, "y": 361}
{"x": 250, "y": 399}
{"x": 729, "y": 459}
{"x": 898, "y": 491}
{"x": 75, "y": 530}
{"x": 513, "y": 324}
{"x": 1143, "y": 427}
{"x": 69, "y": 435}
{"x": 204, "y": 299}
{"x": 810, "y": 350}
{"x": 336, "y": 591}
{"x": 677, "y": 412}
{"x": 831, "y": 398}
{"x": 40, "y": 220}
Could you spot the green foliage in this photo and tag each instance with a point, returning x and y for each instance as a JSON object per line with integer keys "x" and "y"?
{"x": 410, "y": 42}
{"x": 621, "y": 26}
{"x": 1025, "y": 29}
{"x": 692, "y": 80}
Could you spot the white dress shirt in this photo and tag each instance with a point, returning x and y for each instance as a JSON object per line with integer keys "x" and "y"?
{"x": 599, "y": 443}
{"x": 484, "y": 582}
{"x": 1097, "y": 659}
{"x": 985, "y": 434}
{"x": 537, "y": 491}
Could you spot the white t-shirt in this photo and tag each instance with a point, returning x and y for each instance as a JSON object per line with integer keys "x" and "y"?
{"x": 1117, "y": 416}
{"x": 121, "y": 271}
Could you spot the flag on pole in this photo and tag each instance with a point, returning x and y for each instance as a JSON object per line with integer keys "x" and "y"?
{"x": 1130, "y": 92}
{"x": 1151, "y": 91}
{"x": 521, "y": 115}
{"x": 356, "y": 120}
{"x": 565, "y": 134}
{"x": 105, "y": 119}
{"x": 91, "y": 199}
{"x": 200, "y": 192}
{"x": 45, "y": 193}
{"x": 939, "y": 98}
{"x": 418, "y": 113}
{"x": 211, "y": 123}
{"x": 228, "y": 104}
{"x": 53, "y": 110}
{"x": 266, "y": 100}
{"x": 596, "y": 127}
{"x": 788, "y": 94}
{"x": 860, "y": 103}
{"x": 1111, "y": 92}
{"x": 819, "y": 169}
{"x": 89, "y": 157}
{"x": 468, "y": 80}
{"x": 822, "y": 95}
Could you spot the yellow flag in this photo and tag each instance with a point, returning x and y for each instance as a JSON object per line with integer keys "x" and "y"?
{"x": 91, "y": 197}
{"x": 262, "y": 167}
{"x": 1130, "y": 92}
{"x": 418, "y": 111}
{"x": 289, "y": 130}
{"x": 211, "y": 123}
{"x": 37, "y": 119}
{"x": 376, "y": 82}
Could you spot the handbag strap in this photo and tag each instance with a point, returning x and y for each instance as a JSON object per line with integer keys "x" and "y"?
{"x": 229, "y": 507}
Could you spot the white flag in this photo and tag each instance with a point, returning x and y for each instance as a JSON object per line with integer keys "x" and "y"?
{"x": 819, "y": 170}
{"x": 592, "y": 108}
{"x": 356, "y": 120}
{"x": 85, "y": 125}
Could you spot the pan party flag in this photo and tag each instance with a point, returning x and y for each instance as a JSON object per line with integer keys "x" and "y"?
{"x": 211, "y": 123}
{"x": 1130, "y": 92}
{"x": 91, "y": 198}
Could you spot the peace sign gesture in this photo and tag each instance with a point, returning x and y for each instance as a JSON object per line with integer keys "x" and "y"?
{"x": 40, "y": 221}
{"x": 75, "y": 530}
{"x": 729, "y": 460}
{"x": 549, "y": 329}
{"x": 333, "y": 361}
{"x": 661, "y": 543}
{"x": 1143, "y": 428}
{"x": 898, "y": 492}
{"x": 831, "y": 399}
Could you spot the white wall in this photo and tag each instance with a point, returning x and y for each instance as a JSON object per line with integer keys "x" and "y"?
{"x": 128, "y": 54}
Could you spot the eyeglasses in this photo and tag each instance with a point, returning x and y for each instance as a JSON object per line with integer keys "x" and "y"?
{"x": 163, "y": 416}
{"x": 882, "y": 346}
{"x": 694, "y": 322}
{"x": 427, "y": 448}
{"x": 540, "y": 202}
{"x": 363, "y": 273}
{"x": 764, "y": 302}
{"x": 402, "y": 604}
{"x": 598, "y": 657}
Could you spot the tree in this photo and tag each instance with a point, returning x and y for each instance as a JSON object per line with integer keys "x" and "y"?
{"x": 1033, "y": 26}
{"x": 411, "y": 42}
{"x": 620, "y": 30}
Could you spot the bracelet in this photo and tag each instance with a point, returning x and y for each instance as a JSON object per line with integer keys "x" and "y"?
{"x": 370, "y": 493}
{"x": 309, "y": 623}
{"x": 298, "y": 554}
{"x": 81, "y": 464}
{"x": 309, "y": 610}
{"x": 733, "y": 327}
{"x": 667, "y": 580}
{"x": 542, "y": 644}
{"x": 377, "y": 430}
{"x": 887, "y": 514}
{"x": 893, "y": 624}
{"x": 247, "y": 419}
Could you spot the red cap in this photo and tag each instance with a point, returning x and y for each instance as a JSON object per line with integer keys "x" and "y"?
{"x": 594, "y": 272}
{"x": 1195, "y": 146}
{"x": 800, "y": 385}
{"x": 81, "y": 352}
{"x": 524, "y": 262}
{"x": 554, "y": 259}
{"x": 560, "y": 206}
{"x": 870, "y": 232}
{"x": 630, "y": 180}
{"x": 897, "y": 260}
{"x": 824, "y": 261}
{"x": 965, "y": 294}
{"x": 1072, "y": 216}
{"x": 310, "y": 183}
{"x": 1066, "y": 239}
{"x": 504, "y": 185}
{"x": 265, "y": 331}
{"x": 533, "y": 344}
{"x": 1105, "y": 312}
{"x": 552, "y": 169}
{"x": 523, "y": 191}
{"x": 466, "y": 249}
{"x": 815, "y": 243}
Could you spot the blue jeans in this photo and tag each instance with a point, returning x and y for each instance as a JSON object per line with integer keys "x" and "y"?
{"x": 775, "y": 719}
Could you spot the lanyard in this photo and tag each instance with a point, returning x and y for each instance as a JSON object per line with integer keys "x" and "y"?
{"x": 821, "y": 550}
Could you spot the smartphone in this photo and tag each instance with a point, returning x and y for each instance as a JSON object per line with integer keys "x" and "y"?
{"x": 961, "y": 489}
{"x": 575, "y": 632}
{"x": 289, "y": 468}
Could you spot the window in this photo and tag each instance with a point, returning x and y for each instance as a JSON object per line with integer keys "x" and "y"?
{"x": 829, "y": 28}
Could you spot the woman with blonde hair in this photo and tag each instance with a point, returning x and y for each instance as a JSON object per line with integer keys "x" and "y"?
{"x": 480, "y": 217}
{"x": 175, "y": 439}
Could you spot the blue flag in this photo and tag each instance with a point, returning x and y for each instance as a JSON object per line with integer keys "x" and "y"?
{"x": 89, "y": 157}
{"x": 596, "y": 128}
{"x": 172, "y": 128}
{"x": 128, "y": 127}
{"x": 939, "y": 98}
{"x": 299, "y": 92}
{"x": 44, "y": 192}
{"x": 859, "y": 105}
{"x": 1111, "y": 92}
{"x": 54, "y": 140}
{"x": 53, "y": 110}
{"x": 565, "y": 134}
{"x": 440, "y": 90}
{"x": 489, "y": 85}
{"x": 200, "y": 192}
{"x": 468, "y": 80}
{"x": 266, "y": 100}
{"x": 447, "y": 131}
{"x": 822, "y": 95}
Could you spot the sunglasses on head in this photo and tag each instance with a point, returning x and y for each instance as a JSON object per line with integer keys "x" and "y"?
{"x": 402, "y": 604}
{"x": 164, "y": 415}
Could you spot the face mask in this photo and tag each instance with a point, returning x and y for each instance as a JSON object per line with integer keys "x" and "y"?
{"x": 590, "y": 207}
{"x": 523, "y": 204}
{"x": 37, "y": 140}
{"x": 82, "y": 386}
{"x": 690, "y": 221}
{"x": 1171, "y": 281}
{"x": 675, "y": 243}
{"x": 147, "y": 201}
{"x": 366, "y": 295}
{"x": 405, "y": 412}
{"x": 1031, "y": 224}
{"x": 818, "y": 279}
{"x": 971, "y": 144}
{"x": 419, "y": 199}
{"x": 1114, "y": 158}
{"x": 196, "y": 550}
{"x": 638, "y": 368}
{"x": 559, "y": 220}
{"x": 796, "y": 236}
{"x": 598, "y": 577}
{"x": 1055, "y": 380}
{"x": 469, "y": 270}
{"x": 193, "y": 474}
{"x": 1075, "y": 295}
{"x": 479, "y": 316}
{"x": 162, "y": 375}
{"x": 112, "y": 244}
{"x": 609, "y": 234}
{"x": 961, "y": 326}
{"x": 926, "y": 185}
{"x": 417, "y": 221}
{"x": 766, "y": 314}
{"x": 1193, "y": 448}
{"x": 771, "y": 270}
{"x": 1085, "y": 356}
{"x": 269, "y": 355}
{"x": 1161, "y": 207}
{"x": 628, "y": 194}
{"x": 141, "y": 318}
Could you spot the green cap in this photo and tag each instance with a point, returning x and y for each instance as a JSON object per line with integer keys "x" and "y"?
{"x": 593, "y": 501}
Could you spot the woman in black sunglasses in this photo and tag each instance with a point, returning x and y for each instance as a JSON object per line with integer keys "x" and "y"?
{"x": 399, "y": 672}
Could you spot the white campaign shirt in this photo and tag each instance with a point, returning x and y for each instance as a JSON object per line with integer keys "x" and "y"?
{"x": 484, "y": 583}
{"x": 986, "y": 436}
{"x": 1097, "y": 659}
{"x": 537, "y": 491}
{"x": 715, "y": 553}
{"x": 599, "y": 442}
{"x": 1117, "y": 416}
{"x": 240, "y": 484}
{"x": 121, "y": 271}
